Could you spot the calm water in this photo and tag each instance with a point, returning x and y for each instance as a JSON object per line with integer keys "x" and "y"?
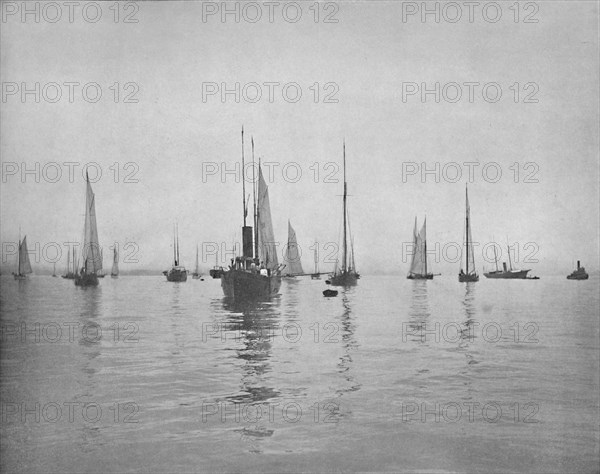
{"x": 392, "y": 375}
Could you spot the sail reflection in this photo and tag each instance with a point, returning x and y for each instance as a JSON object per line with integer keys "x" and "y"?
{"x": 419, "y": 312}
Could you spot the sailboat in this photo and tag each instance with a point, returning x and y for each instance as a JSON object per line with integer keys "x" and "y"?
{"x": 101, "y": 274}
{"x": 345, "y": 275}
{"x": 579, "y": 274}
{"x": 23, "y": 264}
{"x": 506, "y": 273}
{"x": 54, "y": 271}
{"x": 316, "y": 275}
{"x": 292, "y": 255}
{"x": 70, "y": 274}
{"x": 177, "y": 273}
{"x": 257, "y": 273}
{"x": 114, "y": 271}
{"x": 92, "y": 263}
{"x": 418, "y": 264}
{"x": 469, "y": 274}
{"x": 196, "y": 273}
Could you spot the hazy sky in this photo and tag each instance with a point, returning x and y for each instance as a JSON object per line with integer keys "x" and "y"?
{"x": 171, "y": 135}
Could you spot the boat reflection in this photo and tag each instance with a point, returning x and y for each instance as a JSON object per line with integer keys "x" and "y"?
{"x": 349, "y": 344}
{"x": 467, "y": 338}
{"x": 419, "y": 312}
{"x": 252, "y": 325}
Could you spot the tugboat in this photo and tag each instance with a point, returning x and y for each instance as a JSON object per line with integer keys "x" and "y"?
{"x": 346, "y": 275}
{"x": 256, "y": 274}
{"x": 579, "y": 274}
{"x": 177, "y": 273}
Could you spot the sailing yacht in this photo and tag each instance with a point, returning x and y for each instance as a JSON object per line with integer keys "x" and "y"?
{"x": 177, "y": 273}
{"x": 345, "y": 275}
{"x": 23, "y": 263}
{"x": 506, "y": 273}
{"x": 70, "y": 274}
{"x": 316, "y": 275}
{"x": 469, "y": 274}
{"x": 292, "y": 255}
{"x": 418, "y": 264}
{"x": 257, "y": 273}
{"x": 114, "y": 271}
{"x": 92, "y": 262}
{"x": 196, "y": 274}
{"x": 101, "y": 274}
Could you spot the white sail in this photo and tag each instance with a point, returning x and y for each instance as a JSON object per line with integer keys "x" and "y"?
{"x": 292, "y": 254}
{"x": 91, "y": 247}
{"x": 266, "y": 237}
{"x": 418, "y": 264}
{"x": 24, "y": 264}
{"x": 115, "y": 266}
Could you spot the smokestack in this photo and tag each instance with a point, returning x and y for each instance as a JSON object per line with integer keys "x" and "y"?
{"x": 504, "y": 265}
{"x": 578, "y": 264}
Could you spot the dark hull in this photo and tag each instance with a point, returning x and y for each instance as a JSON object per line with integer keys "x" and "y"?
{"x": 429, "y": 276}
{"x": 176, "y": 275}
{"x": 344, "y": 279}
{"x": 578, "y": 276}
{"x": 114, "y": 276}
{"x": 463, "y": 278}
{"x": 315, "y": 276}
{"x": 520, "y": 275}
{"x": 19, "y": 277}
{"x": 196, "y": 276}
{"x": 69, "y": 276}
{"x": 240, "y": 284}
{"x": 86, "y": 279}
{"x": 216, "y": 273}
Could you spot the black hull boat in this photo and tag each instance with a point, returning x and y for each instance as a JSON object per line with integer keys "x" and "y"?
{"x": 579, "y": 274}
{"x": 508, "y": 275}
{"x": 176, "y": 274}
{"x": 466, "y": 278}
{"x": 347, "y": 278}
{"x": 247, "y": 285}
{"x": 429, "y": 276}
{"x": 86, "y": 279}
{"x": 216, "y": 272}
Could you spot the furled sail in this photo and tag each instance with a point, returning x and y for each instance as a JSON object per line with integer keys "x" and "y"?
{"x": 266, "y": 237}
{"x": 24, "y": 264}
{"x": 418, "y": 264}
{"x": 115, "y": 266}
{"x": 292, "y": 254}
{"x": 91, "y": 247}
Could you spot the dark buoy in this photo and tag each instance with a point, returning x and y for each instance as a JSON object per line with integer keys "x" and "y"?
{"x": 329, "y": 293}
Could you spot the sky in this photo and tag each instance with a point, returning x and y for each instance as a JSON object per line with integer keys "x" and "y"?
{"x": 163, "y": 135}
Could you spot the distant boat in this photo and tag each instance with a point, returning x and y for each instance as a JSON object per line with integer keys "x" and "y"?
{"x": 257, "y": 273}
{"x": 23, "y": 263}
{"x": 196, "y": 273}
{"x": 469, "y": 274}
{"x": 579, "y": 274}
{"x": 345, "y": 275}
{"x": 70, "y": 274}
{"x": 418, "y": 264}
{"x": 101, "y": 274}
{"x": 216, "y": 271}
{"x": 114, "y": 271}
{"x": 506, "y": 273}
{"x": 54, "y": 271}
{"x": 92, "y": 262}
{"x": 292, "y": 255}
{"x": 316, "y": 275}
{"x": 177, "y": 273}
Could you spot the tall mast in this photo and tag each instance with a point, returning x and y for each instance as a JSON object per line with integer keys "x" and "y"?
{"x": 177, "y": 231}
{"x": 243, "y": 180}
{"x": 174, "y": 247}
{"x": 425, "y": 243}
{"x": 344, "y": 244}
{"x": 467, "y": 225}
{"x": 495, "y": 257}
{"x": 508, "y": 247}
{"x": 316, "y": 257}
{"x": 19, "y": 255}
{"x": 257, "y": 215}
{"x": 254, "y": 200}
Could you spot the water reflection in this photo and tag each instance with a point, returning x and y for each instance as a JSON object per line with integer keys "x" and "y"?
{"x": 349, "y": 344}
{"x": 467, "y": 338}
{"x": 252, "y": 325}
{"x": 419, "y": 312}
